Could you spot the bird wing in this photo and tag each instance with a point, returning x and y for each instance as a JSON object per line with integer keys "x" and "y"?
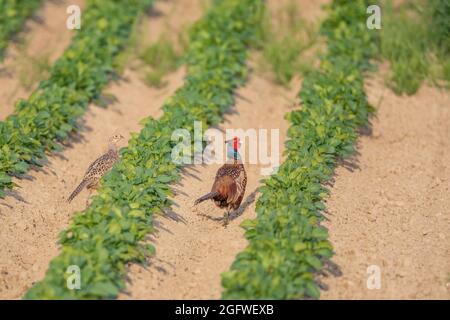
{"x": 230, "y": 184}
{"x": 226, "y": 187}
{"x": 241, "y": 183}
{"x": 100, "y": 166}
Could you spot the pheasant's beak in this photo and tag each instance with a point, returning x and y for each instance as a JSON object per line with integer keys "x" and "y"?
{"x": 231, "y": 140}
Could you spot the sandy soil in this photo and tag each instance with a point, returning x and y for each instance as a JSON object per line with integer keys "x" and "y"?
{"x": 394, "y": 210}
{"x": 33, "y": 216}
{"x": 45, "y": 36}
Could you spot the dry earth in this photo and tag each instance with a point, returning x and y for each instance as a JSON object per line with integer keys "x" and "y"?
{"x": 393, "y": 211}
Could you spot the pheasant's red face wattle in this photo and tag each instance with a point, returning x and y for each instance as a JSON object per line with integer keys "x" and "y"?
{"x": 236, "y": 143}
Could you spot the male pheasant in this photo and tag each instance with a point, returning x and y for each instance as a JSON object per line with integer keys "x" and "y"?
{"x": 230, "y": 182}
{"x": 99, "y": 168}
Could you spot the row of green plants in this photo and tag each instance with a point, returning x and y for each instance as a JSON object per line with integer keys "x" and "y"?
{"x": 13, "y": 14}
{"x": 40, "y": 123}
{"x": 287, "y": 245}
{"x": 111, "y": 232}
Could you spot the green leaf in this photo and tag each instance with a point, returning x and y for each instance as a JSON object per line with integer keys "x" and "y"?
{"x": 103, "y": 289}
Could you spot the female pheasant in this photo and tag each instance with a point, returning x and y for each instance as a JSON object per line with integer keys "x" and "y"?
{"x": 99, "y": 168}
{"x": 230, "y": 182}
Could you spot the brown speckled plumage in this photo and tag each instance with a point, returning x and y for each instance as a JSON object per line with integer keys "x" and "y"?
{"x": 228, "y": 189}
{"x": 98, "y": 168}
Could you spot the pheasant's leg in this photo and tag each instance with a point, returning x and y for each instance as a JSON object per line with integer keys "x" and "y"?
{"x": 93, "y": 186}
{"x": 88, "y": 198}
{"x": 226, "y": 217}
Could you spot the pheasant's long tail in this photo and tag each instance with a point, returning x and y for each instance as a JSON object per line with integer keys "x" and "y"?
{"x": 78, "y": 190}
{"x": 206, "y": 197}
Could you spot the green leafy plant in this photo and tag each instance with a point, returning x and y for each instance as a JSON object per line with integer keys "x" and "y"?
{"x": 284, "y": 44}
{"x": 415, "y": 40}
{"x": 33, "y": 69}
{"x": 439, "y": 35}
{"x": 110, "y": 232}
{"x": 75, "y": 80}
{"x": 439, "y": 30}
{"x": 287, "y": 245}
{"x": 13, "y": 14}
{"x": 161, "y": 57}
{"x": 403, "y": 43}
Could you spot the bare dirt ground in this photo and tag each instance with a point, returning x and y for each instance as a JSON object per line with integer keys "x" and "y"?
{"x": 44, "y": 37}
{"x": 394, "y": 210}
{"x": 32, "y": 217}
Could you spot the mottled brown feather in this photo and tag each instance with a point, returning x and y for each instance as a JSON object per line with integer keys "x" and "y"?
{"x": 229, "y": 184}
{"x": 96, "y": 171}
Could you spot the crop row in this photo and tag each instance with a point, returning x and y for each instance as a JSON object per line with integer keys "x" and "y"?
{"x": 111, "y": 231}
{"x": 13, "y": 14}
{"x": 287, "y": 245}
{"x": 77, "y": 78}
